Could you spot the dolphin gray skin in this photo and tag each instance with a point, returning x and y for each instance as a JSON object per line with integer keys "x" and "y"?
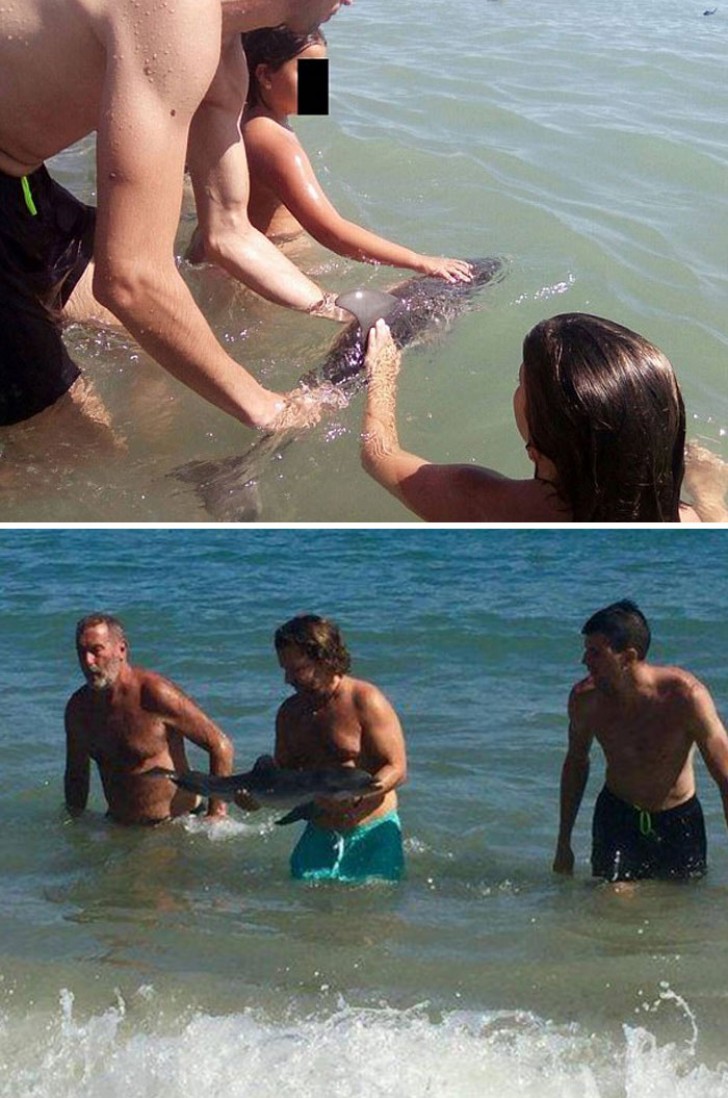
{"x": 228, "y": 486}
{"x": 368, "y": 306}
{"x": 275, "y": 786}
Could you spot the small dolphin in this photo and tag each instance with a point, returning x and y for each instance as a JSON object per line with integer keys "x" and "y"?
{"x": 228, "y": 486}
{"x": 276, "y": 786}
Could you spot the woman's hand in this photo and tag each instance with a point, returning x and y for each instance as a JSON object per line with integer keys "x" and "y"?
{"x": 451, "y": 270}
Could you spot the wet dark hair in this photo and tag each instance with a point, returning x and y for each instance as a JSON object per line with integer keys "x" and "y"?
{"x": 623, "y": 624}
{"x": 603, "y": 404}
{"x": 273, "y": 46}
{"x": 318, "y": 638}
{"x": 113, "y": 625}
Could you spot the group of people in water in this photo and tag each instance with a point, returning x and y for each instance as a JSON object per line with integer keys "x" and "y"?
{"x": 132, "y": 722}
{"x": 599, "y": 407}
{"x": 647, "y": 719}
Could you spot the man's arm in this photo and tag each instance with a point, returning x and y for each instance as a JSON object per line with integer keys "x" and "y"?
{"x": 285, "y": 733}
{"x": 712, "y": 739}
{"x": 181, "y": 714}
{"x": 574, "y": 776}
{"x": 78, "y": 763}
{"x": 382, "y": 740}
{"x": 160, "y": 63}
{"x": 219, "y": 171}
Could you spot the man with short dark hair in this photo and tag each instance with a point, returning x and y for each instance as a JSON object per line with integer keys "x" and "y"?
{"x": 648, "y": 720}
{"x": 130, "y": 721}
{"x": 333, "y": 719}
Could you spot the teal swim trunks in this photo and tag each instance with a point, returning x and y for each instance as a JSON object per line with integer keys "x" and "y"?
{"x": 370, "y": 850}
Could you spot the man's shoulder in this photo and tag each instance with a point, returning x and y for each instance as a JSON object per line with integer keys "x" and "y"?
{"x": 151, "y": 687}
{"x": 675, "y": 683}
{"x": 361, "y": 690}
{"x": 290, "y": 707}
{"x": 583, "y": 691}
{"x": 77, "y": 700}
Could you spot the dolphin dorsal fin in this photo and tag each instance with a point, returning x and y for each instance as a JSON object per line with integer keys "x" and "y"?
{"x": 263, "y": 764}
{"x": 368, "y": 306}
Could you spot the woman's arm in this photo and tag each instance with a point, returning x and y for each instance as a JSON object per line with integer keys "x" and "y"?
{"x": 437, "y": 493}
{"x": 276, "y": 156}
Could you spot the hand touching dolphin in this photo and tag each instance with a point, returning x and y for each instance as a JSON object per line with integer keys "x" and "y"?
{"x": 272, "y": 785}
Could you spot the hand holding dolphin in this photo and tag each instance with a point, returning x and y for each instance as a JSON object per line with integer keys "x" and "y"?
{"x": 277, "y": 786}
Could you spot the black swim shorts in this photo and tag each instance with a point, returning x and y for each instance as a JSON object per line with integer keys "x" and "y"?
{"x": 629, "y": 844}
{"x": 46, "y": 243}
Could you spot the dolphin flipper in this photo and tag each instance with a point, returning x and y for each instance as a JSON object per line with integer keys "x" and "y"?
{"x": 368, "y": 306}
{"x": 305, "y": 811}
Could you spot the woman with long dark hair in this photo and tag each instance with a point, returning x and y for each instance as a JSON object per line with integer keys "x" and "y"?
{"x": 602, "y": 416}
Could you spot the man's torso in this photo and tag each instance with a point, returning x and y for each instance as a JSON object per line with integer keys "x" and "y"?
{"x": 52, "y": 66}
{"x": 648, "y": 744}
{"x": 332, "y": 735}
{"x": 125, "y": 738}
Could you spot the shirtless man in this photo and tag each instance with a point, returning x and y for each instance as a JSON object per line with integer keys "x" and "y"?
{"x": 162, "y": 85}
{"x": 333, "y": 719}
{"x": 129, "y": 721}
{"x": 648, "y": 720}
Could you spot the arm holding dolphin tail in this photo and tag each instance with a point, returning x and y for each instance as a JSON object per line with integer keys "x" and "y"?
{"x": 382, "y": 741}
{"x": 183, "y": 716}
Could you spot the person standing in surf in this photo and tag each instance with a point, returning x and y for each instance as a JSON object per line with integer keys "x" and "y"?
{"x": 333, "y": 719}
{"x": 130, "y": 721}
{"x": 648, "y": 720}
{"x": 286, "y": 197}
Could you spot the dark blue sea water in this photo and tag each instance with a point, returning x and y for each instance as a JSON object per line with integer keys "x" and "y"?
{"x": 183, "y": 959}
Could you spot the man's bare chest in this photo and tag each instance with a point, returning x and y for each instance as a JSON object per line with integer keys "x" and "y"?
{"x": 645, "y": 736}
{"x": 327, "y": 739}
{"x": 125, "y": 737}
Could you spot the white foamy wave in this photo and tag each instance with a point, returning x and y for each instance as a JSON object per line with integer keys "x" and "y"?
{"x": 349, "y": 1054}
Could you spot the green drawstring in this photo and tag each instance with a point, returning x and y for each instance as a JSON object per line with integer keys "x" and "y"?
{"x": 645, "y": 823}
{"x": 28, "y": 196}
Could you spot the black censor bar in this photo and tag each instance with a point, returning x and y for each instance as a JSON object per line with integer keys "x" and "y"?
{"x": 313, "y": 85}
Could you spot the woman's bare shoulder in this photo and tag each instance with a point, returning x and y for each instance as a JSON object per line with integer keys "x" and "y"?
{"x": 497, "y": 498}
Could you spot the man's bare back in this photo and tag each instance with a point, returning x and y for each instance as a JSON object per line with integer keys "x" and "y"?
{"x": 128, "y": 721}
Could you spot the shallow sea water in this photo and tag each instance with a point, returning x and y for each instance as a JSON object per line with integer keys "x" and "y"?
{"x": 585, "y": 144}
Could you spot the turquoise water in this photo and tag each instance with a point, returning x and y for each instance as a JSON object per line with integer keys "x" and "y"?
{"x": 183, "y": 960}
{"x": 586, "y": 143}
